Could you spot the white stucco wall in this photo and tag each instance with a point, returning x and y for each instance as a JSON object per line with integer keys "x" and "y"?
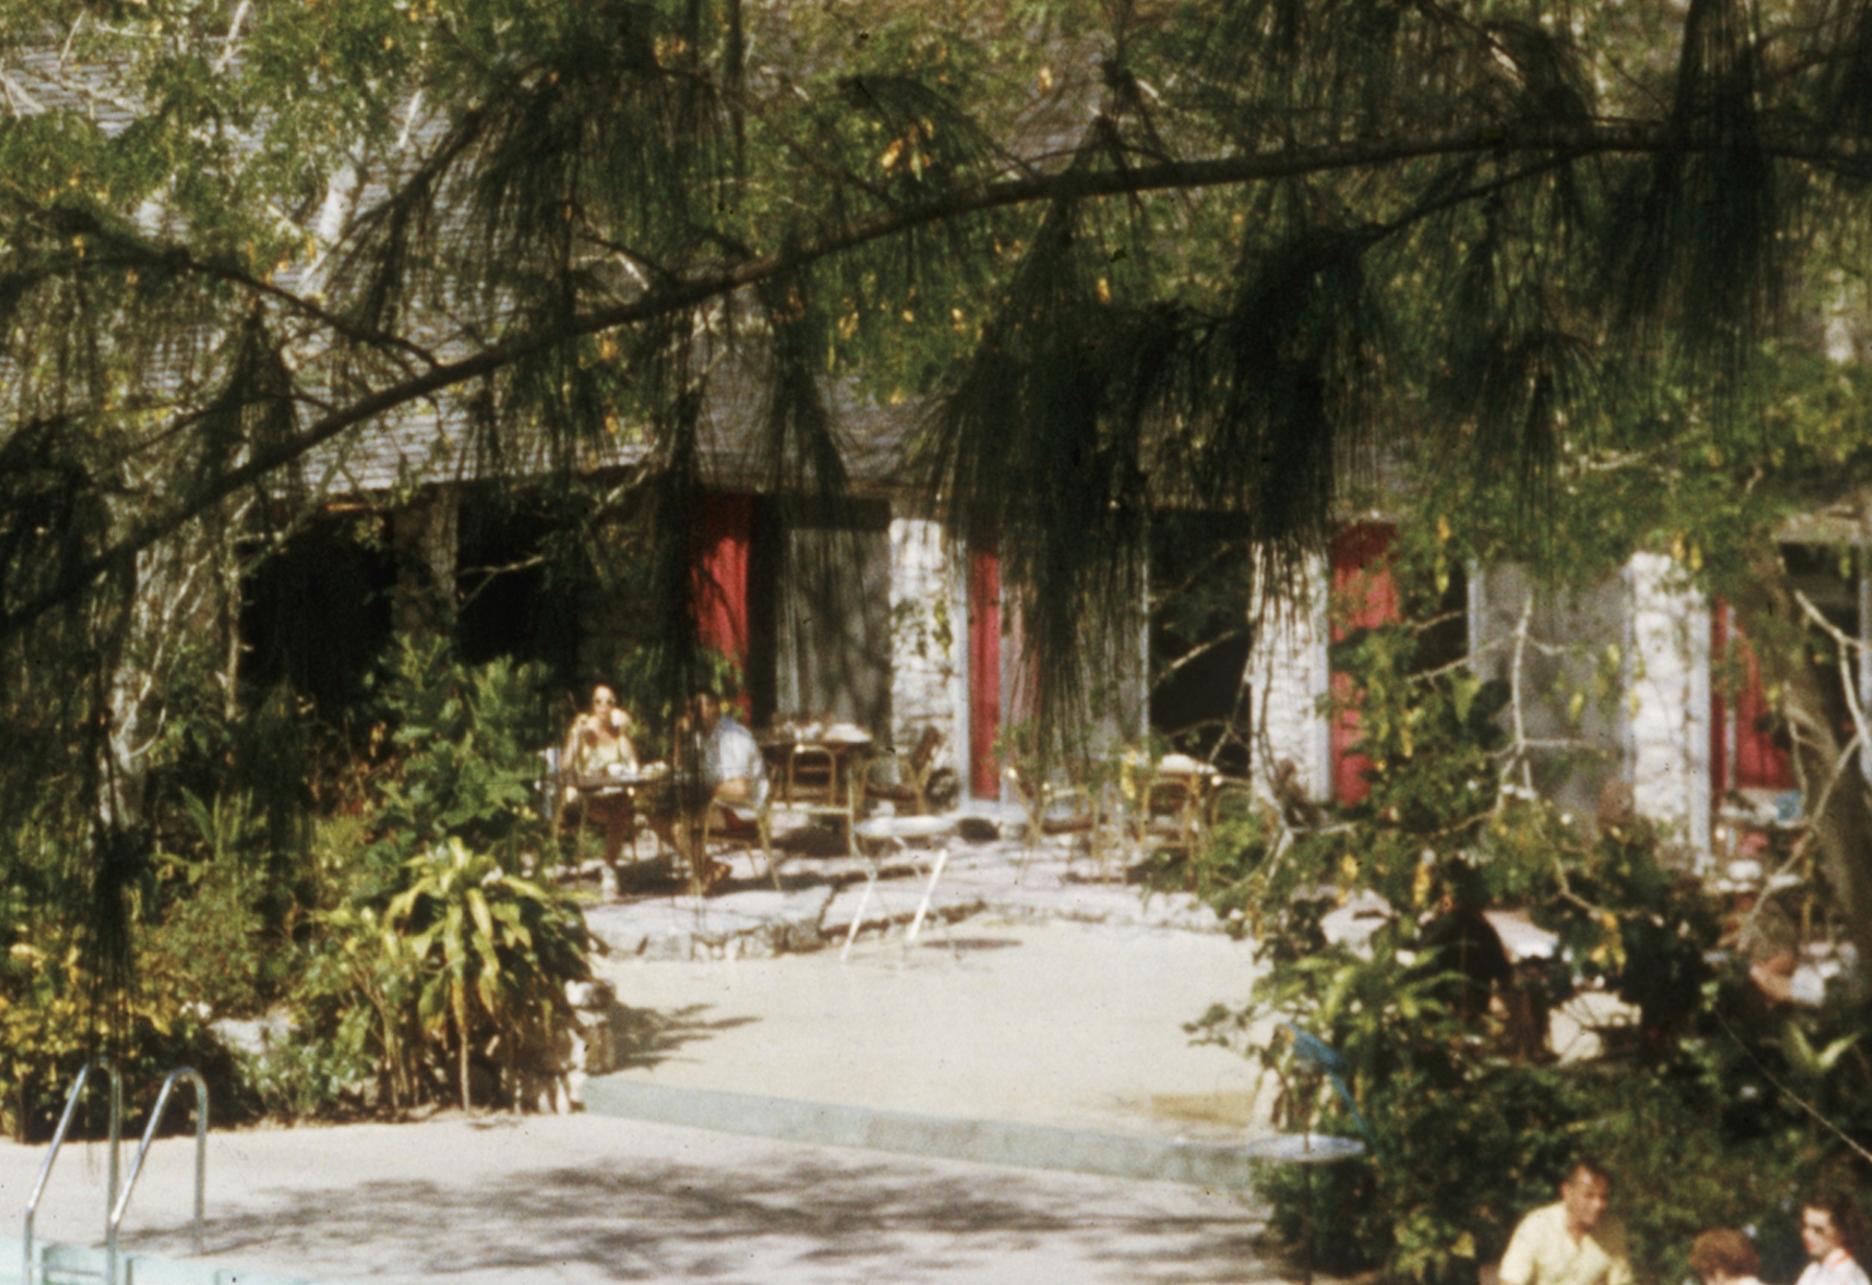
{"x": 927, "y": 632}
{"x": 1668, "y": 700}
{"x": 1287, "y": 675}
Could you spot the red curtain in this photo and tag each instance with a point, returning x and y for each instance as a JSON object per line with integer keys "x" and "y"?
{"x": 1364, "y": 596}
{"x": 984, "y": 667}
{"x": 1760, "y": 762}
{"x": 721, "y": 579}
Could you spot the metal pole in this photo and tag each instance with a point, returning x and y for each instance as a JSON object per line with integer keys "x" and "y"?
{"x": 58, "y": 1141}
{"x": 916, "y": 925}
{"x": 116, "y": 1142}
{"x": 115, "y": 1225}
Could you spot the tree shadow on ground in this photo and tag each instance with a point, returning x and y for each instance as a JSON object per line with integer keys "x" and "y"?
{"x": 787, "y": 1213}
{"x": 645, "y": 1037}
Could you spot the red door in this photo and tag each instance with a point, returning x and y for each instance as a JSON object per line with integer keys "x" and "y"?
{"x": 1744, "y": 719}
{"x": 721, "y": 579}
{"x": 1364, "y": 596}
{"x": 984, "y": 668}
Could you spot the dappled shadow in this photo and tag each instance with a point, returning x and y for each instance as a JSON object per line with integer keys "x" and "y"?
{"x": 645, "y": 1037}
{"x": 797, "y": 1213}
{"x": 969, "y": 944}
{"x": 814, "y": 838}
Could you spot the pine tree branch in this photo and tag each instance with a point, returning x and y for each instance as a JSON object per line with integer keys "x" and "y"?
{"x": 1552, "y": 143}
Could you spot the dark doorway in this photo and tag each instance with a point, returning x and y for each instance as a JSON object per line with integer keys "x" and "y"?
{"x": 1201, "y": 575}
{"x": 822, "y": 576}
{"x": 519, "y": 582}
{"x": 316, "y": 614}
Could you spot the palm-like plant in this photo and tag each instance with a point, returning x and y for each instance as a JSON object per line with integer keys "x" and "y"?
{"x": 491, "y": 952}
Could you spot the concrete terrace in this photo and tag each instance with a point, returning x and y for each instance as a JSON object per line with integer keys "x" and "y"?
{"x": 780, "y": 1114}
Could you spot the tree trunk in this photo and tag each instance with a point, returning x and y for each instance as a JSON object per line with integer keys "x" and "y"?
{"x": 1842, "y": 831}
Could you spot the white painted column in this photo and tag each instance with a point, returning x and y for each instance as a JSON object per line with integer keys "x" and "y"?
{"x": 1287, "y": 670}
{"x": 1668, "y": 702}
{"x": 928, "y": 637}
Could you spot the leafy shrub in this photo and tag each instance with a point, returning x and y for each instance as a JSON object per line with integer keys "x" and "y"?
{"x": 458, "y": 754}
{"x": 464, "y": 969}
{"x": 1713, "y": 1114}
{"x": 51, "y": 1024}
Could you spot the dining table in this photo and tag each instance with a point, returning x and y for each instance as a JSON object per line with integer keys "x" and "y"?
{"x": 818, "y": 768}
{"x": 645, "y": 789}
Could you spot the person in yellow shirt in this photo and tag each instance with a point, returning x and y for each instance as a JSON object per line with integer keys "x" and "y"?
{"x": 1572, "y": 1241}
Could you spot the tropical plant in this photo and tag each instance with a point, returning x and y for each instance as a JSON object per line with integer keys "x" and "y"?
{"x": 1751, "y": 1098}
{"x": 492, "y": 953}
{"x": 465, "y": 966}
{"x": 459, "y": 753}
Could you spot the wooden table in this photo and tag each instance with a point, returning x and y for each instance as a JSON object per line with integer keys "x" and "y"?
{"x": 819, "y": 774}
{"x": 641, "y": 791}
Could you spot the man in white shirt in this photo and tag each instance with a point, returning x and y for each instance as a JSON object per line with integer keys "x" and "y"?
{"x": 732, "y": 775}
{"x": 1570, "y": 1242}
{"x": 732, "y": 766}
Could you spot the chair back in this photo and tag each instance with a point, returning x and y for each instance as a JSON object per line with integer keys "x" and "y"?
{"x": 812, "y": 775}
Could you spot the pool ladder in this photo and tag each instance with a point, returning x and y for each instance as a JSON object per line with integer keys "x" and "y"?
{"x": 116, "y": 1202}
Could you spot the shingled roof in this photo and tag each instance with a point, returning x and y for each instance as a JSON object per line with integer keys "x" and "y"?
{"x": 438, "y": 442}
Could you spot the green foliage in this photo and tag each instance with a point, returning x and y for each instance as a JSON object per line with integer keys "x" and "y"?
{"x": 426, "y": 955}
{"x": 465, "y": 967}
{"x": 458, "y": 754}
{"x": 210, "y": 939}
{"x": 1702, "y": 1113}
{"x": 51, "y": 1024}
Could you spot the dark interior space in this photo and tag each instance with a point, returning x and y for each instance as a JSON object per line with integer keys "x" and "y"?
{"x": 763, "y": 577}
{"x": 826, "y": 574}
{"x": 1200, "y": 578}
{"x": 519, "y": 581}
{"x": 1829, "y": 576}
{"x": 316, "y": 614}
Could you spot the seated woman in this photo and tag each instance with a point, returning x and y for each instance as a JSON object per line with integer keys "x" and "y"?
{"x": 598, "y": 744}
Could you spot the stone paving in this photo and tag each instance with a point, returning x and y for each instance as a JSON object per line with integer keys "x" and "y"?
{"x": 822, "y": 888}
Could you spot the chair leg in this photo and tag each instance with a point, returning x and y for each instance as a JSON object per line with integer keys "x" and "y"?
{"x": 764, "y": 825}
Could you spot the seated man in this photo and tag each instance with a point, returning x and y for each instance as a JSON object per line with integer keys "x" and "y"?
{"x": 596, "y": 745}
{"x": 730, "y": 773}
{"x": 1572, "y": 1241}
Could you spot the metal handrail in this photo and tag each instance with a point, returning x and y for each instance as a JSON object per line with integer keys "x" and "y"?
{"x": 115, "y": 1222}
{"x": 58, "y": 1141}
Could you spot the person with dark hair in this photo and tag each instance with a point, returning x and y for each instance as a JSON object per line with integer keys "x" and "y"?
{"x": 1570, "y": 1242}
{"x": 597, "y": 749}
{"x": 1467, "y": 955}
{"x": 1724, "y": 1256}
{"x": 1832, "y": 1235}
